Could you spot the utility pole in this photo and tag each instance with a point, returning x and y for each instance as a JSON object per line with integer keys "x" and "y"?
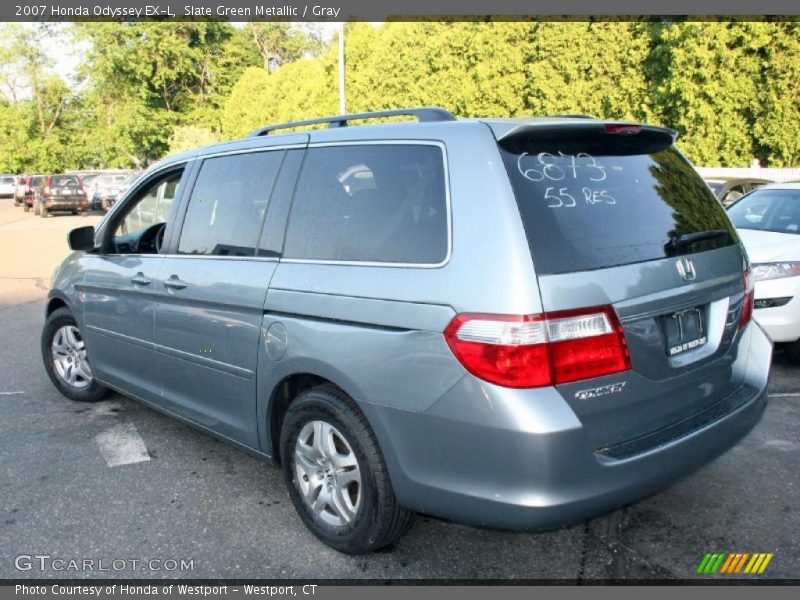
{"x": 341, "y": 69}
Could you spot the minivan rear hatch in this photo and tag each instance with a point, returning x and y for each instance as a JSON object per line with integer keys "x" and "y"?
{"x": 616, "y": 216}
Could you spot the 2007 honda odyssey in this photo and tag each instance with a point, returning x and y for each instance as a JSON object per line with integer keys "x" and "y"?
{"x": 512, "y": 323}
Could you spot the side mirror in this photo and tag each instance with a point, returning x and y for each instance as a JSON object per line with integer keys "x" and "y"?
{"x": 81, "y": 238}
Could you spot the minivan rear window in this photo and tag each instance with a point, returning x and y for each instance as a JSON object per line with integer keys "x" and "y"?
{"x": 598, "y": 200}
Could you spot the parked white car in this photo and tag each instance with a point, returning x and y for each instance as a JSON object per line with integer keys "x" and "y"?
{"x": 8, "y": 185}
{"x": 768, "y": 221}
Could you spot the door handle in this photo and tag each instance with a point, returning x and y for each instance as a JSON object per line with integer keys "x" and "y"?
{"x": 140, "y": 279}
{"x": 174, "y": 283}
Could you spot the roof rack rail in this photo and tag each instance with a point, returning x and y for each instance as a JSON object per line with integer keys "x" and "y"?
{"x": 571, "y": 116}
{"x": 424, "y": 114}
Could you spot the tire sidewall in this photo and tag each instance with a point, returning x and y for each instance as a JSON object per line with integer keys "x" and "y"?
{"x": 313, "y": 406}
{"x": 61, "y": 317}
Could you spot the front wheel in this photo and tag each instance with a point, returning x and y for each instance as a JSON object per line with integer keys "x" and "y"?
{"x": 66, "y": 361}
{"x": 336, "y": 474}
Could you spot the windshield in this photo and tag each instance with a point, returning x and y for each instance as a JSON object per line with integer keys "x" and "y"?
{"x": 592, "y": 202}
{"x": 715, "y": 186}
{"x": 768, "y": 210}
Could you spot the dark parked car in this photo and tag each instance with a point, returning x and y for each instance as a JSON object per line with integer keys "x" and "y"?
{"x": 60, "y": 193}
{"x": 729, "y": 189}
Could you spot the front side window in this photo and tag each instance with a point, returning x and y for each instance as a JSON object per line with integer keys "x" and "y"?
{"x": 370, "y": 203}
{"x": 228, "y": 204}
{"x": 141, "y": 229}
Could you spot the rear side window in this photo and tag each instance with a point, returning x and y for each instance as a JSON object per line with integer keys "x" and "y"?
{"x": 596, "y": 200}
{"x": 370, "y": 203}
{"x": 228, "y": 204}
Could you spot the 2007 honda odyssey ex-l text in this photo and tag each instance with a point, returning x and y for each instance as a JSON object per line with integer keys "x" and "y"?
{"x": 516, "y": 323}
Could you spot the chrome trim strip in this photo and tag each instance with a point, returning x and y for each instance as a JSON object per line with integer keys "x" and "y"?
{"x": 299, "y": 145}
{"x": 121, "y": 336}
{"x": 203, "y": 361}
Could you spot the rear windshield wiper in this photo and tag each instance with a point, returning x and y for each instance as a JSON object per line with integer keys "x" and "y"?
{"x": 687, "y": 239}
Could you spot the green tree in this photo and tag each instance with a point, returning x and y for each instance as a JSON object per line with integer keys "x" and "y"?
{"x": 705, "y": 83}
{"x": 189, "y": 137}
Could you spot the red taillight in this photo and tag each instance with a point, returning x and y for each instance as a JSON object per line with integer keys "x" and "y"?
{"x": 622, "y": 128}
{"x": 747, "y": 301}
{"x": 539, "y": 350}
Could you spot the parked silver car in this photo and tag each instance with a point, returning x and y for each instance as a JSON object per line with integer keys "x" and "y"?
{"x": 107, "y": 187}
{"x": 511, "y": 323}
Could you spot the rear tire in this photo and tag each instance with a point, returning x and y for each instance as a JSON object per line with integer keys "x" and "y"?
{"x": 26, "y": 208}
{"x": 84, "y": 388}
{"x": 371, "y": 521}
{"x": 793, "y": 351}
{"x": 37, "y": 209}
{"x": 104, "y": 204}
{"x": 43, "y": 211}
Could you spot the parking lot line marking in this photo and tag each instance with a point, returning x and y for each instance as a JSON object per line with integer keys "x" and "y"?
{"x": 785, "y": 395}
{"x": 122, "y": 445}
{"x": 11, "y": 393}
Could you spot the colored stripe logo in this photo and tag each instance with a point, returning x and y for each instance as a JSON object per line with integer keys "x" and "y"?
{"x": 734, "y": 563}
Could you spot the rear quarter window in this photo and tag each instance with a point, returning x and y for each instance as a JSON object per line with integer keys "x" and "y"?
{"x": 384, "y": 203}
{"x": 588, "y": 202}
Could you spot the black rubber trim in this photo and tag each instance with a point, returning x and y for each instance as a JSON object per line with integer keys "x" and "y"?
{"x": 681, "y": 428}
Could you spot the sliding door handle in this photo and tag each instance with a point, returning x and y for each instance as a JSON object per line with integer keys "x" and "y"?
{"x": 140, "y": 279}
{"x": 175, "y": 283}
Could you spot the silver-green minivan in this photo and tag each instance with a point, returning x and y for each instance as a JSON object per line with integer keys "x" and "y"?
{"x": 516, "y": 323}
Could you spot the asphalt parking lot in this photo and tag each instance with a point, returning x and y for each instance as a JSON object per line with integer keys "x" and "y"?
{"x": 192, "y": 497}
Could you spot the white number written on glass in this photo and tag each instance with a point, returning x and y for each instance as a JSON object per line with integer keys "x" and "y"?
{"x": 551, "y": 167}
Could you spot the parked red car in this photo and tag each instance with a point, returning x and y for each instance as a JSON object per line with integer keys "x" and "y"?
{"x": 28, "y": 190}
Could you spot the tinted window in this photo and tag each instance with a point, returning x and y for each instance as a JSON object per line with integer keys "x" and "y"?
{"x": 228, "y": 204}
{"x": 376, "y": 203}
{"x": 591, "y": 201}
{"x": 768, "y": 210}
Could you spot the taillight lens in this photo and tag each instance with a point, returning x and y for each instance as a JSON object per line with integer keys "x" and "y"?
{"x": 539, "y": 350}
{"x": 747, "y": 301}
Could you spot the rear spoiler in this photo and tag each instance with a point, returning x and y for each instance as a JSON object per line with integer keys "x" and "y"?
{"x": 625, "y": 136}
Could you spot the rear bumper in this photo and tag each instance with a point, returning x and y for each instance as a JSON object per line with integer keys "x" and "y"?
{"x": 62, "y": 204}
{"x": 520, "y": 459}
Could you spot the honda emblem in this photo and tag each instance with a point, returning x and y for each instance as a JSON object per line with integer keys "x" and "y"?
{"x": 686, "y": 269}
